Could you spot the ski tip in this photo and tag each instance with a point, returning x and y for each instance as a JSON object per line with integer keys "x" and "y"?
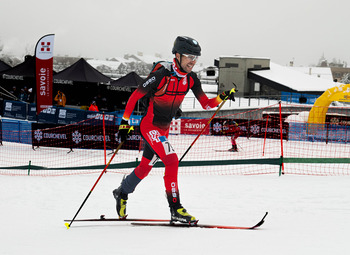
{"x": 265, "y": 215}
{"x": 67, "y": 225}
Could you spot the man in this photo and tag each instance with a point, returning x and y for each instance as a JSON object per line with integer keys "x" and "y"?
{"x": 232, "y": 128}
{"x": 164, "y": 90}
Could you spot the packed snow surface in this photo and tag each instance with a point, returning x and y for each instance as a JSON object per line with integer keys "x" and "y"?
{"x": 307, "y": 215}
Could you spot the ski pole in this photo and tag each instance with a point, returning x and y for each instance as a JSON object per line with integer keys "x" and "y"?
{"x": 206, "y": 125}
{"x": 93, "y": 187}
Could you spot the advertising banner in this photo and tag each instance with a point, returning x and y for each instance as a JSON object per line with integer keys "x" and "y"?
{"x": 82, "y": 136}
{"x": 44, "y": 72}
{"x": 194, "y": 126}
{"x": 15, "y": 109}
{"x": 255, "y": 128}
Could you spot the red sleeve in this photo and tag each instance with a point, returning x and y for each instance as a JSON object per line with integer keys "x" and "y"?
{"x": 206, "y": 103}
{"x": 135, "y": 96}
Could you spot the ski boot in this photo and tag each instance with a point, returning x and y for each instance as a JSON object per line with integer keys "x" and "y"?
{"x": 234, "y": 148}
{"x": 178, "y": 213}
{"x": 121, "y": 200}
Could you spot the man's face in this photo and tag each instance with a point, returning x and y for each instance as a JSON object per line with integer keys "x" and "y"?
{"x": 186, "y": 62}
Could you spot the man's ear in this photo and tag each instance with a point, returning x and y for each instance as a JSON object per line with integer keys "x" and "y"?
{"x": 178, "y": 56}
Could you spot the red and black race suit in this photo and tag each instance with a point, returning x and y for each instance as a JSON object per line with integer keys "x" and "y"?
{"x": 165, "y": 92}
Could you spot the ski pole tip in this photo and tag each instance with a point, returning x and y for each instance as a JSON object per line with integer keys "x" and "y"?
{"x": 67, "y": 225}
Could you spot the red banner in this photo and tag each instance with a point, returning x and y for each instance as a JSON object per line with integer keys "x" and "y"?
{"x": 44, "y": 72}
{"x": 194, "y": 126}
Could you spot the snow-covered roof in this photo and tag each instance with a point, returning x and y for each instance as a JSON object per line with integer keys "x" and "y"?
{"x": 112, "y": 64}
{"x": 319, "y": 72}
{"x": 295, "y": 80}
{"x": 150, "y": 59}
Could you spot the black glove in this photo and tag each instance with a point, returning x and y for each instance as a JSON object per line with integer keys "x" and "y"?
{"x": 124, "y": 130}
{"x": 228, "y": 94}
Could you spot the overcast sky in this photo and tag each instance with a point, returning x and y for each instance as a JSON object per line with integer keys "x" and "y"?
{"x": 299, "y": 30}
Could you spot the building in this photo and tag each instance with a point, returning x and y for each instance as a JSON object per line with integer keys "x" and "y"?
{"x": 259, "y": 77}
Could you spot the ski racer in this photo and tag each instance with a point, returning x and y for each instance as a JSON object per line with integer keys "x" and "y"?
{"x": 232, "y": 129}
{"x": 164, "y": 90}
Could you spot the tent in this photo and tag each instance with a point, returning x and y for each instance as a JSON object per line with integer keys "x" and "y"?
{"x": 4, "y": 66}
{"x": 80, "y": 71}
{"x": 121, "y": 89}
{"x": 19, "y": 76}
{"x": 126, "y": 83}
{"x": 24, "y": 70}
{"x": 81, "y": 83}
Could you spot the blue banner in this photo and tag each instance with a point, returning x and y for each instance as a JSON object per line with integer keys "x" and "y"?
{"x": 15, "y": 109}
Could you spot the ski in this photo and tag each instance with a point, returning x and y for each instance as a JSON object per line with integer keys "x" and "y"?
{"x": 181, "y": 225}
{"x": 228, "y": 150}
{"x": 102, "y": 218}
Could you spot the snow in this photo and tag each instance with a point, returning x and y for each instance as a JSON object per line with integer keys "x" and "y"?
{"x": 319, "y": 72}
{"x": 307, "y": 215}
{"x": 112, "y": 64}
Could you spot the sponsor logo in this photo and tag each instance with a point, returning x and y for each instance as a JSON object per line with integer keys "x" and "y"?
{"x": 173, "y": 191}
{"x": 95, "y": 138}
{"x": 49, "y": 110}
{"x": 38, "y": 135}
{"x": 99, "y": 116}
{"x": 12, "y": 77}
{"x": 217, "y": 127}
{"x": 149, "y": 81}
{"x": 255, "y": 129}
{"x": 8, "y": 106}
{"x": 54, "y": 136}
{"x": 154, "y": 136}
{"x": 43, "y": 73}
{"x": 76, "y": 137}
{"x": 62, "y": 113}
{"x": 45, "y": 46}
{"x": 195, "y": 125}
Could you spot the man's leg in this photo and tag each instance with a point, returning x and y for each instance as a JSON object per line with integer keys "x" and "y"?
{"x": 130, "y": 182}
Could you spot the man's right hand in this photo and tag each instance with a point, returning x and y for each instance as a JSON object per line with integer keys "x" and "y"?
{"x": 124, "y": 130}
{"x": 228, "y": 95}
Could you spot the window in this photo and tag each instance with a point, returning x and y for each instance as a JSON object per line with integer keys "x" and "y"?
{"x": 229, "y": 65}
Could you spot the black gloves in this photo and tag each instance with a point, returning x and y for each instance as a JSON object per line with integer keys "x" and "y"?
{"x": 124, "y": 130}
{"x": 228, "y": 94}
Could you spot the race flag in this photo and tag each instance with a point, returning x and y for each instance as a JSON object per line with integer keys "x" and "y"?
{"x": 44, "y": 72}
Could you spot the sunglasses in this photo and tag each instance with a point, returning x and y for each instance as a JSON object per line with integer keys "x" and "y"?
{"x": 192, "y": 57}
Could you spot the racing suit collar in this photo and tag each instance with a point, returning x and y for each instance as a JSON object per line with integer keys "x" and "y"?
{"x": 178, "y": 69}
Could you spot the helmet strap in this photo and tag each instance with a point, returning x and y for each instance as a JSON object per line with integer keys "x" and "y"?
{"x": 178, "y": 69}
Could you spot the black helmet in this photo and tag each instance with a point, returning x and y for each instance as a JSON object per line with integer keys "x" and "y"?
{"x": 186, "y": 45}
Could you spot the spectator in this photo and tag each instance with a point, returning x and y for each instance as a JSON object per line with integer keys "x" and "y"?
{"x": 30, "y": 96}
{"x": 93, "y": 107}
{"x": 23, "y": 96}
{"x": 60, "y": 98}
{"x": 15, "y": 92}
